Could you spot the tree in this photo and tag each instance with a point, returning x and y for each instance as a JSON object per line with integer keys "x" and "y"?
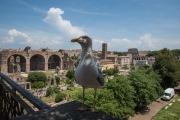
{"x": 176, "y": 52}
{"x": 49, "y": 92}
{"x": 125, "y": 67}
{"x": 120, "y": 53}
{"x": 56, "y": 90}
{"x": 168, "y": 68}
{"x": 111, "y": 71}
{"x": 38, "y": 79}
{"x": 70, "y": 74}
{"x": 52, "y": 81}
{"x": 69, "y": 81}
{"x": 57, "y": 80}
{"x": 152, "y": 53}
{"x": 116, "y": 98}
{"x": 146, "y": 83}
{"x": 132, "y": 66}
{"x": 75, "y": 60}
{"x": 124, "y": 93}
{"x": 59, "y": 97}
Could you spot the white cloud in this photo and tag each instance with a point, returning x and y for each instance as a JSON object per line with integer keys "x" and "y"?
{"x": 55, "y": 19}
{"x": 148, "y": 41}
{"x": 8, "y": 40}
{"x": 16, "y": 35}
{"x": 145, "y": 42}
{"x": 84, "y": 12}
{"x": 97, "y": 44}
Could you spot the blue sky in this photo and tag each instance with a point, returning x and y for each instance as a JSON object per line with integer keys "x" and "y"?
{"x": 123, "y": 24}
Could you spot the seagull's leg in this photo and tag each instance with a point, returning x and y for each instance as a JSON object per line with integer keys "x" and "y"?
{"x": 93, "y": 109}
{"x": 83, "y": 107}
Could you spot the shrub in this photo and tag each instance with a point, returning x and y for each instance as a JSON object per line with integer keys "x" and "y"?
{"x": 59, "y": 97}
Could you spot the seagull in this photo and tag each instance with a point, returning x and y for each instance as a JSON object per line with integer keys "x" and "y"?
{"x": 87, "y": 74}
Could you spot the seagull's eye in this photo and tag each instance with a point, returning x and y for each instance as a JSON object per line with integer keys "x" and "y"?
{"x": 84, "y": 37}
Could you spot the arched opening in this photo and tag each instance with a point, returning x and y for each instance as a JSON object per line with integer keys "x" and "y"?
{"x": 37, "y": 62}
{"x": 16, "y": 63}
{"x": 53, "y": 62}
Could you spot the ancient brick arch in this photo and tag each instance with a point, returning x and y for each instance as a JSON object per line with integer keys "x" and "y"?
{"x": 53, "y": 61}
{"x": 37, "y": 62}
{"x": 16, "y": 63}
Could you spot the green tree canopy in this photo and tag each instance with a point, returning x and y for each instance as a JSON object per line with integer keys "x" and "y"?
{"x": 59, "y": 97}
{"x": 70, "y": 74}
{"x": 52, "y": 81}
{"x": 57, "y": 80}
{"x": 38, "y": 79}
{"x": 116, "y": 98}
{"x": 49, "y": 92}
{"x": 168, "y": 67}
{"x": 176, "y": 52}
{"x": 111, "y": 71}
{"x": 153, "y": 53}
{"x": 146, "y": 83}
{"x": 56, "y": 90}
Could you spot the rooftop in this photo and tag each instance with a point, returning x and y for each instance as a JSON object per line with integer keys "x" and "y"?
{"x": 67, "y": 111}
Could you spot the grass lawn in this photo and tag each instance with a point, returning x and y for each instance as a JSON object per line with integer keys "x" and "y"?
{"x": 48, "y": 99}
{"x": 49, "y": 72}
{"x": 171, "y": 113}
{"x": 72, "y": 92}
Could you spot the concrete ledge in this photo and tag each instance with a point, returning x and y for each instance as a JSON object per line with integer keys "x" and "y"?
{"x": 67, "y": 111}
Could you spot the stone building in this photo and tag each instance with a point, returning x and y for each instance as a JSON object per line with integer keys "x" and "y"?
{"x": 104, "y": 50}
{"x": 18, "y": 60}
{"x": 110, "y": 60}
{"x": 138, "y": 54}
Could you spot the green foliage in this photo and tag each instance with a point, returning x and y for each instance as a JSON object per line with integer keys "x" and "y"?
{"x": 69, "y": 81}
{"x": 124, "y": 93}
{"x": 75, "y": 60}
{"x": 168, "y": 68}
{"x": 52, "y": 81}
{"x": 57, "y": 80}
{"x": 125, "y": 67}
{"x": 70, "y": 74}
{"x": 59, "y": 97}
{"x": 38, "y": 84}
{"x": 176, "y": 52}
{"x": 38, "y": 79}
{"x": 117, "y": 97}
{"x": 146, "y": 83}
{"x": 152, "y": 53}
{"x": 111, "y": 71}
{"x": 120, "y": 53}
{"x": 132, "y": 66}
{"x": 56, "y": 90}
{"x": 49, "y": 92}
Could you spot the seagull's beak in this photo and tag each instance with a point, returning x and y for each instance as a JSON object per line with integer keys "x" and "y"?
{"x": 75, "y": 40}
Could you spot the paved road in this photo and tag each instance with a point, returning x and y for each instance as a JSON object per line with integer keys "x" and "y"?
{"x": 154, "y": 107}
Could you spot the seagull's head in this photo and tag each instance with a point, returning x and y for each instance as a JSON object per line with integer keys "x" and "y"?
{"x": 84, "y": 41}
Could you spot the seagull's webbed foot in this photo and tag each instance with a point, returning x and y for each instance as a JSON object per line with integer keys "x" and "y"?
{"x": 93, "y": 109}
{"x": 82, "y": 108}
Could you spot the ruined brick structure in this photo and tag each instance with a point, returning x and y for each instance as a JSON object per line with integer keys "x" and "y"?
{"x": 16, "y": 61}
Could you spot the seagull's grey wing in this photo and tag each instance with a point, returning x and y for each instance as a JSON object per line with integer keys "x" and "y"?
{"x": 100, "y": 77}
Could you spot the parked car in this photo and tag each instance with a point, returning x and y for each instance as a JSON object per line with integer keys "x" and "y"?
{"x": 168, "y": 94}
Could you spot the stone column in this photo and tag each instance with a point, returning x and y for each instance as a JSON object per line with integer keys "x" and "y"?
{"x": 61, "y": 65}
{"x": 27, "y": 67}
{"x": 46, "y": 64}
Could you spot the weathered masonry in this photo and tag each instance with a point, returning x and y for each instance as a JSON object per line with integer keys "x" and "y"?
{"x": 15, "y": 61}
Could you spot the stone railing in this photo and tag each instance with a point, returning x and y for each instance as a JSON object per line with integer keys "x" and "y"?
{"x": 11, "y": 104}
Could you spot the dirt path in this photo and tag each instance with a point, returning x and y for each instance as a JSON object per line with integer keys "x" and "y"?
{"x": 153, "y": 108}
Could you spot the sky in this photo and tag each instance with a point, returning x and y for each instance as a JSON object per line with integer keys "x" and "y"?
{"x": 122, "y": 24}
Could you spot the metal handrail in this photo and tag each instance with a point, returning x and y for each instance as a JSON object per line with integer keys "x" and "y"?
{"x": 26, "y": 94}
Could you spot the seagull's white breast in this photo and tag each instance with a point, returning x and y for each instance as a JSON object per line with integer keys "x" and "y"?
{"x": 86, "y": 73}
